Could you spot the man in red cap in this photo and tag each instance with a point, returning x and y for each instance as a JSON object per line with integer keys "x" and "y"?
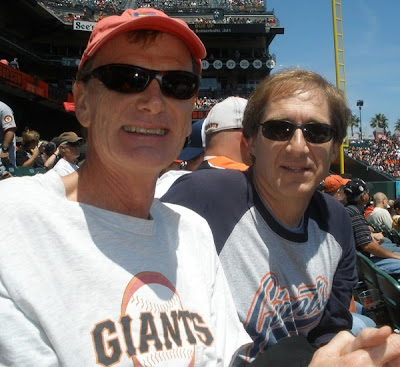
{"x": 334, "y": 186}
{"x": 94, "y": 272}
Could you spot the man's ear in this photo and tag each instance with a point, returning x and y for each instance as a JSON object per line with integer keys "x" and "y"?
{"x": 81, "y": 104}
{"x": 244, "y": 151}
{"x": 251, "y": 145}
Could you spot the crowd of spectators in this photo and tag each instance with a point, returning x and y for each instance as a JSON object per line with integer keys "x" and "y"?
{"x": 383, "y": 156}
{"x": 70, "y": 10}
{"x": 94, "y": 10}
{"x": 206, "y": 103}
{"x": 34, "y": 152}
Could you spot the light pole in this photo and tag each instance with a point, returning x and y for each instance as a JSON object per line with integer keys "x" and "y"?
{"x": 360, "y": 103}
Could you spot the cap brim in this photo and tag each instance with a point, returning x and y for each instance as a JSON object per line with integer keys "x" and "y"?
{"x": 72, "y": 140}
{"x": 190, "y": 153}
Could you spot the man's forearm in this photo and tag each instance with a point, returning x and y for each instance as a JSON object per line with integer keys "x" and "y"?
{"x": 8, "y": 137}
{"x": 375, "y": 249}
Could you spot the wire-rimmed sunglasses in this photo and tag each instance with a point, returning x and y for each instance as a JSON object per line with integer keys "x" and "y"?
{"x": 134, "y": 79}
{"x": 282, "y": 130}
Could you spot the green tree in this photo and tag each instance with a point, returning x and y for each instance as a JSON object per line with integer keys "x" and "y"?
{"x": 354, "y": 122}
{"x": 397, "y": 125}
{"x": 379, "y": 121}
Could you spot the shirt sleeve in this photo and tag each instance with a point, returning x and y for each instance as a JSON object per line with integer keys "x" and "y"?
{"x": 336, "y": 316}
{"x": 362, "y": 233}
{"x": 7, "y": 118}
{"x": 22, "y": 340}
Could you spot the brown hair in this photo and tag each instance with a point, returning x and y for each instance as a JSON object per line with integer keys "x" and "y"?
{"x": 288, "y": 83}
{"x": 29, "y": 136}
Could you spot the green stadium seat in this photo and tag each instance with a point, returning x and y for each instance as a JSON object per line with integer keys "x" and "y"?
{"x": 26, "y": 171}
{"x": 390, "y": 290}
{"x": 367, "y": 271}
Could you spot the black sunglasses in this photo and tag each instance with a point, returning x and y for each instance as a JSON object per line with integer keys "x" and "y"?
{"x": 134, "y": 79}
{"x": 281, "y": 130}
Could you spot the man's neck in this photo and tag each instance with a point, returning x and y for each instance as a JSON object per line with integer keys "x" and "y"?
{"x": 128, "y": 194}
{"x": 289, "y": 215}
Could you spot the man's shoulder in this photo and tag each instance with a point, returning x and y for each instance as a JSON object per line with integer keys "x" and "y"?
{"x": 326, "y": 203}
{"x": 353, "y": 210}
{"x": 379, "y": 211}
{"x": 209, "y": 182}
{"x": 211, "y": 193}
{"x": 324, "y": 208}
{"x": 20, "y": 188}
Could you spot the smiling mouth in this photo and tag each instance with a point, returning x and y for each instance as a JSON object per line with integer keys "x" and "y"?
{"x": 140, "y": 130}
{"x": 295, "y": 169}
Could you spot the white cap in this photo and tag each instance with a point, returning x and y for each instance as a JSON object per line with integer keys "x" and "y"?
{"x": 225, "y": 115}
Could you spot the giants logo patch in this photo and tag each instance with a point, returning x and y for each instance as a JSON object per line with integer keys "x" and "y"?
{"x": 8, "y": 119}
{"x": 154, "y": 328}
{"x": 274, "y": 313}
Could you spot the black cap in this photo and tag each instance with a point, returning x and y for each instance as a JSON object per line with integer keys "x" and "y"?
{"x": 355, "y": 187}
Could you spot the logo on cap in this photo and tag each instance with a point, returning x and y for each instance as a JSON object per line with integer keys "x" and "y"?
{"x": 139, "y": 15}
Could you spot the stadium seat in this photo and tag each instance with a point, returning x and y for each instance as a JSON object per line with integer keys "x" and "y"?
{"x": 390, "y": 290}
{"x": 396, "y": 237}
{"x": 26, "y": 171}
{"x": 375, "y": 226}
{"x": 367, "y": 271}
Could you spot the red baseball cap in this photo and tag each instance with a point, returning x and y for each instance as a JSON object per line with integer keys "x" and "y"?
{"x": 333, "y": 182}
{"x": 140, "y": 19}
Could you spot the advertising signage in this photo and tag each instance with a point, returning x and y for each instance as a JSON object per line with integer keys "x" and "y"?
{"x": 203, "y": 28}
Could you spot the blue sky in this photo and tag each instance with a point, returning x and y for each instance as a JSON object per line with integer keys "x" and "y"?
{"x": 371, "y": 36}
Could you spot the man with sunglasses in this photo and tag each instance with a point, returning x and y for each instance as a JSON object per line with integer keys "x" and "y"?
{"x": 93, "y": 270}
{"x": 287, "y": 250}
{"x": 69, "y": 153}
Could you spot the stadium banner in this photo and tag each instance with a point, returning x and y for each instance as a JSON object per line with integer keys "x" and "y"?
{"x": 23, "y": 81}
{"x": 201, "y": 28}
{"x": 11, "y": 76}
{"x": 33, "y": 85}
{"x": 80, "y": 25}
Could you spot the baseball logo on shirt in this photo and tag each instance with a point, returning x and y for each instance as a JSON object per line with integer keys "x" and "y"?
{"x": 154, "y": 328}
{"x": 151, "y": 298}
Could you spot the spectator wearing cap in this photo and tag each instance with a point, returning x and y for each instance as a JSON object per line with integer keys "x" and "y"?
{"x": 193, "y": 153}
{"x": 190, "y": 158}
{"x": 225, "y": 146}
{"x": 380, "y": 215}
{"x": 334, "y": 185}
{"x": 370, "y": 244}
{"x": 69, "y": 153}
